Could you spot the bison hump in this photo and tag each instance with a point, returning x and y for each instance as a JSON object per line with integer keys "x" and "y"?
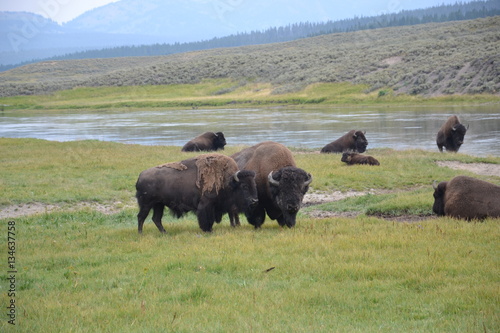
{"x": 214, "y": 172}
{"x": 173, "y": 165}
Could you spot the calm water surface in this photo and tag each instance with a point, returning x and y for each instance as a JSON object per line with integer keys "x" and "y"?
{"x": 397, "y": 128}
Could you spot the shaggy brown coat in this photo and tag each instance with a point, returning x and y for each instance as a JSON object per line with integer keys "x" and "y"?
{"x": 209, "y": 185}
{"x": 451, "y": 135}
{"x": 352, "y": 140}
{"x": 208, "y": 141}
{"x": 467, "y": 198}
{"x": 280, "y": 184}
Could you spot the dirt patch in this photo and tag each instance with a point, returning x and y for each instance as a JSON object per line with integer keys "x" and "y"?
{"x": 34, "y": 208}
{"x": 485, "y": 169}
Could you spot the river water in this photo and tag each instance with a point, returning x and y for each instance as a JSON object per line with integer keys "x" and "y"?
{"x": 397, "y": 127}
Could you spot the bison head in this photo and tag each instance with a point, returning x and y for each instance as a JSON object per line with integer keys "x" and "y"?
{"x": 439, "y": 191}
{"x": 346, "y": 157}
{"x": 219, "y": 141}
{"x": 288, "y": 186}
{"x": 245, "y": 190}
{"x": 360, "y": 141}
{"x": 457, "y": 135}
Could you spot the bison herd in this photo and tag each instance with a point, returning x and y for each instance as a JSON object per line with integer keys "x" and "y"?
{"x": 264, "y": 180}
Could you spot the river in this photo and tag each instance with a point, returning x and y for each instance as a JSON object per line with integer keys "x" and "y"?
{"x": 392, "y": 127}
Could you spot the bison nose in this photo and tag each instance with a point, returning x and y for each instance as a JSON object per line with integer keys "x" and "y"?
{"x": 291, "y": 208}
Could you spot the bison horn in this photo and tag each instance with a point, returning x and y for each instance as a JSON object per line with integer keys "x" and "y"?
{"x": 434, "y": 185}
{"x": 309, "y": 180}
{"x": 454, "y": 128}
{"x": 272, "y": 181}
{"x": 236, "y": 176}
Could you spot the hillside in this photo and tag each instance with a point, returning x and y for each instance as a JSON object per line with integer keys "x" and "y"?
{"x": 430, "y": 59}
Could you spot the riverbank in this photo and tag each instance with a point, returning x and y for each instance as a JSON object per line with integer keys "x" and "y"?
{"x": 224, "y": 93}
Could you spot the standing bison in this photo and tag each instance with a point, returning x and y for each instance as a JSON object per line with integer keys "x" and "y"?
{"x": 208, "y": 141}
{"x": 352, "y": 140}
{"x": 280, "y": 184}
{"x": 354, "y": 158}
{"x": 451, "y": 135}
{"x": 467, "y": 198}
{"x": 209, "y": 185}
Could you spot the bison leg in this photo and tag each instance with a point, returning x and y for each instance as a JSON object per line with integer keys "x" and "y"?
{"x": 157, "y": 216}
{"x": 142, "y": 215}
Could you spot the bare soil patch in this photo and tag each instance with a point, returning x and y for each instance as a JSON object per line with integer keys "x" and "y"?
{"x": 34, "y": 208}
{"x": 485, "y": 169}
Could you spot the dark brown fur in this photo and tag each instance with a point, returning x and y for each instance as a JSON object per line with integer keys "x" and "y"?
{"x": 467, "y": 198}
{"x": 281, "y": 196}
{"x": 209, "y": 185}
{"x": 352, "y": 140}
{"x": 451, "y": 135}
{"x": 354, "y": 158}
{"x": 208, "y": 141}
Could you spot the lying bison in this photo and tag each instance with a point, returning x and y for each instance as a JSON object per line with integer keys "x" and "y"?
{"x": 352, "y": 140}
{"x": 467, "y": 198}
{"x": 354, "y": 158}
{"x": 208, "y": 141}
{"x": 280, "y": 184}
{"x": 209, "y": 185}
{"x": 451, "y": 135}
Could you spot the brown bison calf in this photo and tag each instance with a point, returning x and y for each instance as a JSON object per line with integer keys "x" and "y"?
{"x": 354, "y": 158}
{"x": 466, "y": 198}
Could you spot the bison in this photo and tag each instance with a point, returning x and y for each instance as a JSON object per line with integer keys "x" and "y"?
{"x": 466, "y": 198}
{"x": 209, "y": 185}
{"x": 208, "y": 141}
{"x": 280, "y": 184}
{"x": 354, "y": 158}
{"x": 352, "y": 140}
{"x": 451, "y": 135}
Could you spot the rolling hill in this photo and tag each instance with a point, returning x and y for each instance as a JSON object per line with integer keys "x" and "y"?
{"x": 429, "y": 59}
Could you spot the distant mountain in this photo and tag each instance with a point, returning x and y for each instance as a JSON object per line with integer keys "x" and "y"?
{"x": 27, "y": 37}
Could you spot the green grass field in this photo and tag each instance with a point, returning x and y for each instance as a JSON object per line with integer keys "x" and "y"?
{"x": 79, "y": 270}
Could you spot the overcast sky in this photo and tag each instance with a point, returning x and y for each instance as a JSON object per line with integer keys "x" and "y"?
{"x": 65, "y": 10}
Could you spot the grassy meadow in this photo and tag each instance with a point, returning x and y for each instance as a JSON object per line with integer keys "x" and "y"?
{"x": 81, "y": 270}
